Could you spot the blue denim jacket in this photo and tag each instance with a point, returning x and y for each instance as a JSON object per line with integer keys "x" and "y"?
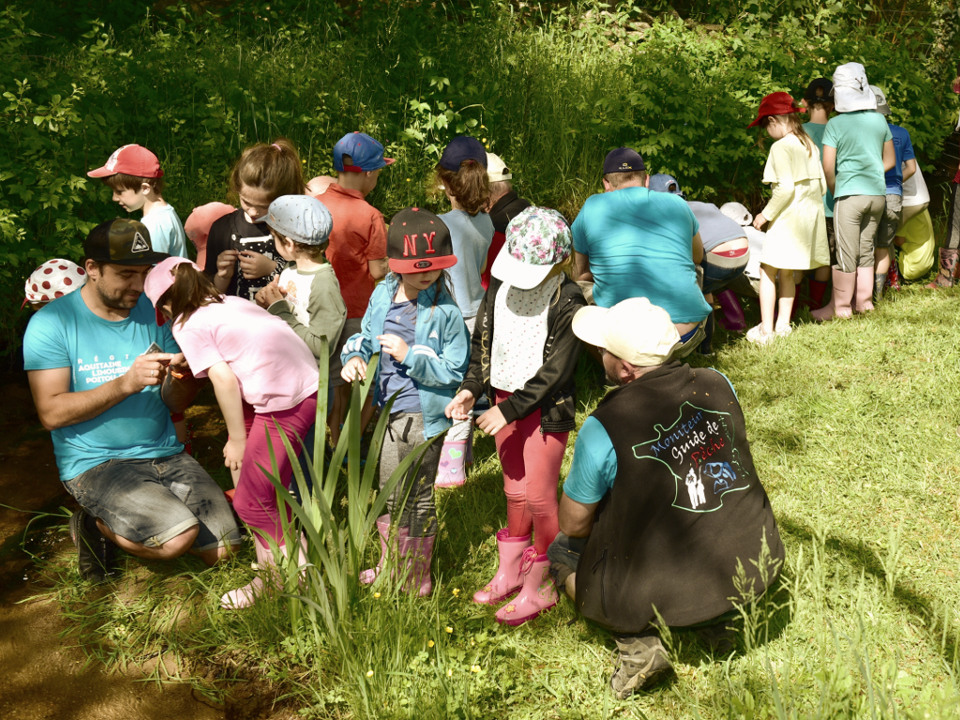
{"x": 437, "y": 360}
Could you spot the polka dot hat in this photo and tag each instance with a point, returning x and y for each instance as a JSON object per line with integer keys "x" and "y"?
{"x": 55, "y": 278}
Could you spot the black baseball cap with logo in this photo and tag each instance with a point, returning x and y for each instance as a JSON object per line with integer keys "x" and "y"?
{"x": 419, "y": 241}
{"x": 121, "y": 242}
{"x": 623, "y": 159}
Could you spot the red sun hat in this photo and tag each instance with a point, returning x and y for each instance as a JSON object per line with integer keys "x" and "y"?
{"x": 778, "y": 103}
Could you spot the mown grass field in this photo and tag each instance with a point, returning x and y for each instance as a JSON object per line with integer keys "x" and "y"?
{"x": 854, "y": 430}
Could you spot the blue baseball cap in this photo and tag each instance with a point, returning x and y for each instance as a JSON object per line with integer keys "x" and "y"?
{"x": 300, "y": 218}
{"x": 460, "y": 149}
{"x": 661, "y": 182}
{"x": 623, "y": 159}
{"x": 365, "y": 153}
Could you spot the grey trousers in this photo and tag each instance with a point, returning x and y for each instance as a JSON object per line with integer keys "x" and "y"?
{"x": 411, "y": 504}
{"x": 856, "y": 219}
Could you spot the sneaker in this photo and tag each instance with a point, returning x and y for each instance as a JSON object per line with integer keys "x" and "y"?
{"x": 783, "y": 331}
{"x": 757, "y": 336}
{"x": 643, "y": 663}
{"x": 96, "y": 554}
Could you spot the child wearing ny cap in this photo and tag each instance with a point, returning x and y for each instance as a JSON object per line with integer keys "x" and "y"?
{"x": 358, "y": 241}
{"x": 135, "y": 176}
{"x": 306, "y": 295}
{"x": 414, "y": 324}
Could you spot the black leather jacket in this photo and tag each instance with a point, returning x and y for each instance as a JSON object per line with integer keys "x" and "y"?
{"x": 552, "y": 388}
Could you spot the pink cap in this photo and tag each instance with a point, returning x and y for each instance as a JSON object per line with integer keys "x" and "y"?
{"x": 133, "y": 160}
{"x": 201, "y": 219}
{"x": 161, "y": 278}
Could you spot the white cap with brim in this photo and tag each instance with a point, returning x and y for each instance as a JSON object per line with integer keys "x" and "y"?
{"x": 538, "y": 238}
{"x": 634, "y": 330}
{"x": 497, "y": 170}
{"x": 851, "y": 92}
{"x": 518, "y": 273}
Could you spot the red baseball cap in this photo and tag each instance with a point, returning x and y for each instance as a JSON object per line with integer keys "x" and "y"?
{"x": 778, "y": 103}
{"x": 133, "y": 160}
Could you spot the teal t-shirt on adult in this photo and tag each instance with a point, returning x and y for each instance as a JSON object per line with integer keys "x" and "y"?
{"x": 640, "y": 245}
{"x": 66, "y": 334}
{"x": 858, "y": 138}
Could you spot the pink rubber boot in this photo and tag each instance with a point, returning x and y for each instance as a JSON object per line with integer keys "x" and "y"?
{"x": 731, "y": 318}
{"x": 863, "y": 295}
{"x": 538, "y": 593}
{"x": 418, "y": 553}
{"x": 383, "y": 527}
{"x": 451, "y": 471}
{"x": 508, "y": 578}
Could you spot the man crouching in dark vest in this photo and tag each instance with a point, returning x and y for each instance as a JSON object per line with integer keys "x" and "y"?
{"x": 662, "y": 509}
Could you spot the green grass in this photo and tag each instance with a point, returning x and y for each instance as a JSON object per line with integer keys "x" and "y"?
{"x": 853, "y": 427}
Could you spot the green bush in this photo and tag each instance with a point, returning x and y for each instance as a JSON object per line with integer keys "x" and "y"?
{"x": 550, "y": 87}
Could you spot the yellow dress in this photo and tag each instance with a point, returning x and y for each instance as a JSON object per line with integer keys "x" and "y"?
{"x": 797, "y": 231}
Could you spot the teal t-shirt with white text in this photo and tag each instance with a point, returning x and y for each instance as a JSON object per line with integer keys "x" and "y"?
{"x": 66, "y": 334}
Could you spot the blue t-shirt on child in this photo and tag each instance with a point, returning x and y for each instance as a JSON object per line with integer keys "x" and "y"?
{"x": 66, "y": 334}
{"x": 401, "y": 320}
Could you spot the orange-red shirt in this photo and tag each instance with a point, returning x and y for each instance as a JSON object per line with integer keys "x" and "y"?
{"x": 359, "y": 235}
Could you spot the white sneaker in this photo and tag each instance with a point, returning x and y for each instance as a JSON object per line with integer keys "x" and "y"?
{"x": 784, "y": 331}
{"x": 757, "y": 336}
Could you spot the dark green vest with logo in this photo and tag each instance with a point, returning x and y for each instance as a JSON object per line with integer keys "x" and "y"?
{"x": 686, "y": 509}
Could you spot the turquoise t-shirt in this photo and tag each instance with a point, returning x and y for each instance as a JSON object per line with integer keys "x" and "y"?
{"x": 166, "y": 231}
{"x": 858, "y": 138}
{"x": 66, "y": 334}
{"x": 639, "y": 245}
{"x": 815, "y": 131}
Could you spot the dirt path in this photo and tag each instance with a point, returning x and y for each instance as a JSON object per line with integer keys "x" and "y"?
{"x": 42, "y": 675}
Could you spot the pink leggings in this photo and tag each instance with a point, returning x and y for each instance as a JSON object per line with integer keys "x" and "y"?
{"x": 256, "y": 499}
{"x": 531, "y": 471}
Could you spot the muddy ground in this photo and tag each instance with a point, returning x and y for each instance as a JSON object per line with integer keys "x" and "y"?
{"x": 44, "y": 675}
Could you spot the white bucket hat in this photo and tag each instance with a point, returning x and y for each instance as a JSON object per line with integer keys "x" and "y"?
{"x": 851, "y": 91}
{"x": 634, "y": 330}
{"x": 738, "y": 213}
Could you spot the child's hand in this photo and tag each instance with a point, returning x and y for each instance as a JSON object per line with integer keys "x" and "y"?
{"x": 355, "y": 369}
{"x": 459, "y": 408}
{"x": 178, "y": 367}
{"x": 226, "y": 262}
{"x": 759, "y": 221}
{"x": 394, "y": 346}
{"x": 233, "y": 453}
{"x": 269, "y": 294}
{"x": 255, "y": 265}
{"x": 492, "y": 421}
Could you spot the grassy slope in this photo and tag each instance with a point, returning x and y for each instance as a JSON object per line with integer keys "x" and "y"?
{"x": 853, "y": 428}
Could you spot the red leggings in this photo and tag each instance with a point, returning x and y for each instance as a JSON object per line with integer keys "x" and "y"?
{"x": 256, "y": 498}
{"x": 531, "y": 471}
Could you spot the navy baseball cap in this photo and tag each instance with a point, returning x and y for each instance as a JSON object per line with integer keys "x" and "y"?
{"x": 460, "y": 149}
{"x": 366, "y": 154}
{"x": 623, "y": 159}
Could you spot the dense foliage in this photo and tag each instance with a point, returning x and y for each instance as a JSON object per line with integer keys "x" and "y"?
{"x": 550, "y": 86}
